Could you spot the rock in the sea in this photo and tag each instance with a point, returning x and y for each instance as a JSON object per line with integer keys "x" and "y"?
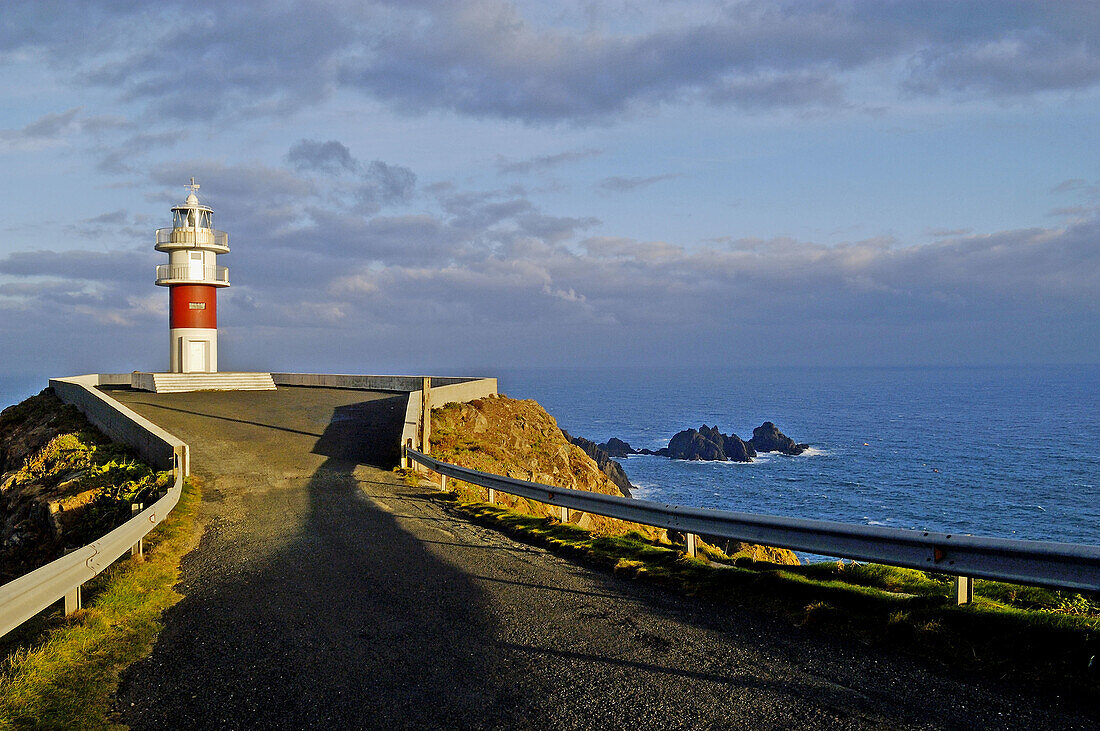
{"x": 603, "y": 460}
{"x": 768, "y": 438}
{"x": 618, "y": 448}
{"x": 707, "y": 443}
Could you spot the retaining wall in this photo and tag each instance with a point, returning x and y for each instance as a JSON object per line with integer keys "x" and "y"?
{"x": 118, "y": 422}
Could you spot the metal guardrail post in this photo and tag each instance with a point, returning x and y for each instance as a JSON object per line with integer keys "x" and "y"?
{"x": 564, "y": 514}
{"x": 964, "y": 590}
{"x": 689, "y": 544}
{"x": 443, "y": 483}
{"x": 492, "y": 495}
{"x": 73, "y": 601}
{"x": 426, "y": 414}
{"x": 138, "y": 548}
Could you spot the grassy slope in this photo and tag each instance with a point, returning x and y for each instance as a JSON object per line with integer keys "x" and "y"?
{"x": 59, "y": 672}
{"x": 66, "y": 678}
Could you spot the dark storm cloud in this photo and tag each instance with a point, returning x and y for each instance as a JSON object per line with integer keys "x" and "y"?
{"x": 493, "y": 59}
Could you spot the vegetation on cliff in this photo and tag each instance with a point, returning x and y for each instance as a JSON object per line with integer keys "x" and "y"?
{"x": 62, "y": 483}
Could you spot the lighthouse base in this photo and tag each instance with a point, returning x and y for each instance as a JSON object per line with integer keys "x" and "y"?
{"x": 194, "y": 350}
{"x": 179, "y": 382}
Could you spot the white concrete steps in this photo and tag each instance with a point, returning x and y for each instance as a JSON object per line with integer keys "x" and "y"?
{"x": 180, "y": 382}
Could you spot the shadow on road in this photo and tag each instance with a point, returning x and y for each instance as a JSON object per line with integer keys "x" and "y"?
{"x": 328, "y": 615}
{"x": 368, "y": 432}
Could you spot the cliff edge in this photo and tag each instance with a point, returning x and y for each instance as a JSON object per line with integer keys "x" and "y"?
{"x": 517, "y": 438}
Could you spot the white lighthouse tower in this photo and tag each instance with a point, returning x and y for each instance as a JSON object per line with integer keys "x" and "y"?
{"x": 193, "y": 277}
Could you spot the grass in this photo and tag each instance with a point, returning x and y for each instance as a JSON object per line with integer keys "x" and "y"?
{"x": 65, "y": 678}
{"x": 1039, "y": 636}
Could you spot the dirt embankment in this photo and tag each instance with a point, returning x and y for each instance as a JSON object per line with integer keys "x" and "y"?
{"x": 519, "y": 439}
{"x": 62, "y": 483}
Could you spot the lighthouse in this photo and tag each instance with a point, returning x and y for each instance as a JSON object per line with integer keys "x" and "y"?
{"x": 193, "y": 277}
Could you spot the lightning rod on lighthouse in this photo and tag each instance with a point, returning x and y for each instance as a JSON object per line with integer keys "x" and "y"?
{"x": 193, "y": 277}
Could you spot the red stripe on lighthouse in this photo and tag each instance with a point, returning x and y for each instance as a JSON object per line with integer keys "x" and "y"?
{"x": 193, "y": 305}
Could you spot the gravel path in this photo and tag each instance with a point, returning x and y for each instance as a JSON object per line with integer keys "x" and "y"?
{"x": 325, "y": 593}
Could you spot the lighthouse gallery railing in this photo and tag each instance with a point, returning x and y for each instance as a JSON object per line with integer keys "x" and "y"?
{"x": 197, "y": 237}
{"x": 185, "y": 272}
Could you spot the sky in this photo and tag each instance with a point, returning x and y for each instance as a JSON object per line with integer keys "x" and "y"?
{"x": 459, "y": 187}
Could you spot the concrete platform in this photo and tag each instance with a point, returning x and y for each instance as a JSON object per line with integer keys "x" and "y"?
{"x": 182, "y": 382}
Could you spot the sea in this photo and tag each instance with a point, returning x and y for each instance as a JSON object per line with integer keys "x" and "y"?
{"x": 1012, "y": 452}
{"x": 996, "y": 451}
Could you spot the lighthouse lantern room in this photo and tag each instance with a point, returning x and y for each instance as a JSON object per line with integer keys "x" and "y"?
{"x": 193, "y": 277}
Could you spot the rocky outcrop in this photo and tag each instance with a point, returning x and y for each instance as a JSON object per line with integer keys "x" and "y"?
{"x": 768, "y": 438}
{"x": 707, "y": 443}
{"x": 617, "y": 448}
{"x": 603, "y": 460}
{"x": 517, "y": 438}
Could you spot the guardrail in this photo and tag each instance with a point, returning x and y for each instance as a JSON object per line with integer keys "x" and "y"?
{"x": 22, "y": 598}
{"x": 185, "y": 272}
{"x": 1055, "y": 565}
{"x": 193, "y": 236}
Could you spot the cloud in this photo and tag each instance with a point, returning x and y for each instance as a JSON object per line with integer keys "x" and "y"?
{"x": 120, "y": 157}
{"x": 763, "y": 92}
{"x": 581, "y": 64}
{"x": 112, "y": 267}
{"x": 543, "y": 162}
{"x": 618, "y": 184}
{"x": 330, "y": 156}
{"x": 1070, "y": 185}
{"x": 46, "y": 130}
{"x": 492, "y": 275}
{"x": 946, "y": 232}
{"x": 395, "y": 183}
{"x": 1035, "y": 61}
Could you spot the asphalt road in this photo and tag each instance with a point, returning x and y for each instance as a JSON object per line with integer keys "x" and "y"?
{"x": 325, "y": 593}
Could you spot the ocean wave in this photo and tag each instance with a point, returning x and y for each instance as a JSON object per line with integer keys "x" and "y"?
{"x": 813, "y": 452}
{"x": 721, "y": 463}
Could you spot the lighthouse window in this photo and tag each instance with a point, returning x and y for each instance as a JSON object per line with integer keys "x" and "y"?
{"x": 197, "y": 305}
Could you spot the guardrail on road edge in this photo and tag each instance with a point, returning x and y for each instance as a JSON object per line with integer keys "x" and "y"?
{"x": 26, "y": 596}
{"x": 1056, "y": 565}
